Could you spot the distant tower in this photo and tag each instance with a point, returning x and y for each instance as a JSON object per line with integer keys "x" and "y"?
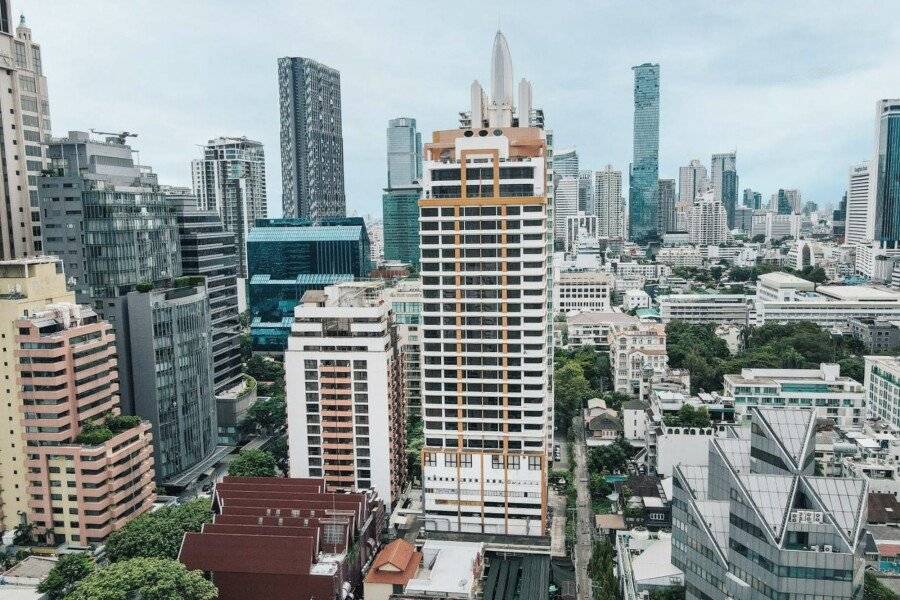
{"x": 404, "y": 153}
{"x": 643, "y": 202}
{"x": 886, "y": 173}
{"x": 692, "y": 179}
{"x": 610, "y": 203}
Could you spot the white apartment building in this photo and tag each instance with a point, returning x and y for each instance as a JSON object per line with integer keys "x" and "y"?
{"x": 581, "y": 291}
{"x": 565, "y": 206}
{"x": 633, "y": 299}
{"x": 692, "y": 179}
{"x": 775, "y": 226}
{"x": 581, "y": 230}
{"x": 595, "y": 328}
{"x": 882, "y": 385}
{"x": 632, "y": 275}
{"x": 486, "y": 228}
{"x": 637, "y": 353}
{"x": 783, "y": 298}
{"x": 706, "y": 308}
{"x": 610, "y": 203}
{"x": 406, "y": 302}
{"x": 344, "y": 392}
{"x": 860, "y": 223}
{"x": 680, "y": 256}
{"x": 833, "y": 396}
{"x": 708, "y": 221}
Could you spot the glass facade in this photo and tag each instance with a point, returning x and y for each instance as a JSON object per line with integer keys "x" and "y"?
{"x": 400, "y": 216}
{"x": 643, "y": 207}
{"x": 887, "y": 178}
{"x": 404, "y": 153}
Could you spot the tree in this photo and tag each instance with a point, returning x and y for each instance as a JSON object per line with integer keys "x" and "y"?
{"x": 607, "y": 459}
{"x": 570, "y": 391}
{"x": 158, "y": 534}
{"x": 266, "y": 415}
{"x": 146, "y": 578}
{"x": 262, "y": 368}
{"x": 253, "y": 463}
{"x": 875, "y": 590}
{"x": 279, "y": 450}
{"x": 68, "y": 571}
{"x": 23, "y": 534}
{"x": 600, "y": 568}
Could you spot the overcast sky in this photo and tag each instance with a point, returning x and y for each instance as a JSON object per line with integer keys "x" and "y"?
{"x": 790, "y": 85}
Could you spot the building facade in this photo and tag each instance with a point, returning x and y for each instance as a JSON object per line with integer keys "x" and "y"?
{"x": 486, "y": 327}
{"x": 345, "y": 402}
{"x": 643, "y": 199}
{"x": 719, "y": 165}
{"x": 312, "y": 140}
{"x": 667, "y": 217}
{"x": 89, "y": 470}
{"x": 565, "y": 163}
{"x": 231, "y": 180}
{"x": 610, "y": 203}
{"x": 404, "y": 153}
{"x": 707, "y": 221}
{"x": 706, "y": 308}
{"x": 565, "y": 207}
{"x": 692, "y": 179}
{"x": 860, "y": 220}
{"x": 882, "y": 385}
{"x": 581, "y": 291}
{"x": 886, "y": 173}
{"x": 637, "y": 351}
{"x": 400, "y": 212}
{"x": 586, "y": 192}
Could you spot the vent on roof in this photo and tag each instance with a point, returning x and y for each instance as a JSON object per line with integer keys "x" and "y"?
{"x": 259, "y": 520}
{"x": 280, "y": 521}
{"x": 295, "y": 512}
{"x": 268, "y": 512}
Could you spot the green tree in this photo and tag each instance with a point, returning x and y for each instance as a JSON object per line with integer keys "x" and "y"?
{"x": 263, "y": 368}
{"x": 279, "y": 450}
{"x": 158, "y": 534}
{"x": 608, "y": 459}
{"x": 68, "y": 571}
{"x": 23, "y": 534}
{"x": 266, "y": 416}
{"x": 875, "y": 590}
{"x": 253, "y": 463}
{"x": 570, "y": 391}
{"x": 600, "y": 568}
{"x": 146, "y": 578}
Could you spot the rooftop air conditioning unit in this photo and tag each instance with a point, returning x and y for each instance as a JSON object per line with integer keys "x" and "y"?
{"x": 827, "y": 548}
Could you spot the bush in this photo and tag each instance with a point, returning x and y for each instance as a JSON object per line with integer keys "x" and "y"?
{"x": 144, "y": 578}
{"x": 253, "y": 463}
{"x": 158, "y": 534}
{"x": 65, "y": 574}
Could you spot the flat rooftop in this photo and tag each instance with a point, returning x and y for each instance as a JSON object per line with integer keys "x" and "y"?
{"x": 780, "y": 279}
{"x": 597, "y": 318}
{"x": 859, "y": 293}
{"x": 446, "y": 568}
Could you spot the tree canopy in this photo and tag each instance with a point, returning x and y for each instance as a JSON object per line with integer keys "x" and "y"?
{"x": 253, "y": 463}
{"x": 146, "y": 578}
{"x": 158, "y": 534}
{"x": 688, "y": 416}
{"x": 68, "y": 571}
{"x": 570, "y": 391}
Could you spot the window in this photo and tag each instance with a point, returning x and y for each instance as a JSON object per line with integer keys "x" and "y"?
{"x": 28, "y": 84}
{"x": 534, "y": 463}
{"x": 36, "y": 55}
{"x": 333, "y": 533}
{"x": 430, "y": 459}
{"x": 19, "y": 55}
{"x": 29, "y": 104}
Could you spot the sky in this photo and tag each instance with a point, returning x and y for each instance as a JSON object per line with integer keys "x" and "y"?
{"x": 790, "y": 86}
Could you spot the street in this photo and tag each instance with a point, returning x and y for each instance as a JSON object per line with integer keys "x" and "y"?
{"x": 584, "y": 525}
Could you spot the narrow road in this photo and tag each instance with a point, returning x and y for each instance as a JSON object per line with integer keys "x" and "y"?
{"x": 584, "y": 525}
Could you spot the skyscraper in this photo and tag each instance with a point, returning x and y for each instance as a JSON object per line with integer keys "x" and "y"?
{"x": 404, "y": 153}
{"x": 610, "y": 203}
{"x": 400, "y": 213}
{"x": 586, "y": 192}
{"x": 667, "y": 220}
{"x": 312, "y": 142}
{"x": 487, "y": 337}
{"x": 231, "y": 180}
{"x": 860, "y": 218}
{"x": 565, "y": 163}
{"x": 643, "y": 201}
{"x": 886, "y": 175}
{"x": 726, "y": 161}
{"x": 25, "y": 132}
{"x": 752, "y": 199}
{"x": 692, "y": 179}
{"x": 786, "y": 202}
{"x": 565, "y": 205}
{"x": 707, "y": 221}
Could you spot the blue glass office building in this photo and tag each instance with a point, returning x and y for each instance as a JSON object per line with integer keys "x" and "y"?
{"x": 887, "y": 178}
{"x": 400, "y": 215}
{"x": 287, "y": 257}
{"x": 643, "y": 204}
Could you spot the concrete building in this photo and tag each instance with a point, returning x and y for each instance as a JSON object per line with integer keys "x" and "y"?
{"x": 860, "y": 219}
{"x": 406, "y": 303}
{"x": 595, "y": 328}
{"x": 167, "y": 372}
{"x": 637, "y": 351}
{"x": 575, "y": 291}
{"x": 882, "y": 388}
{"x": 565, "y": 198}
{"x": 643, "y": 196}
{"x": 392, "y": 569}
{"x": 25, "y": 131}
{"x": 586, "y": 197}
{"x": 89, "y": 470}
{"x": 824, "y": 390}
{"x": 879, "y": 335}
{"x": 644, "y": 564}
{"x": 610, "y": 203}
{"x": 668, "y": 220}
{"x": 487, "y": 429}
{"x": 231, "y": 180}
{"x": 634, "y": 299}
{"x": 692, "y": 179}
{"x": 707, "y": 221}
{"x": 344, "y": 392}
{"x": 775, "y": 226}
{"x": 404, "y": 153}
{"x": 753, "y": 522}
{"x": 209, "y": 250}
{"x": 719, "y": 165}
{"x": 312, "y": 140}
{"x": 272, "y": 537}
{"x": 706, "y": 308}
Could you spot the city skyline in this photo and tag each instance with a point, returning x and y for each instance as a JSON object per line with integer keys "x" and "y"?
{"x": 718, "y": 94}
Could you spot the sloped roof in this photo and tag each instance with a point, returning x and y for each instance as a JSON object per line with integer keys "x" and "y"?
{"x": 715, "y": 515}
{"x": 792, "y": 427}
{"x": 736, "y": 452}
{"x": 771, "y": 495}
{"x": 697, "y": 479}
{"x": 844, "y": 498}
{"x": 397, "y": 563}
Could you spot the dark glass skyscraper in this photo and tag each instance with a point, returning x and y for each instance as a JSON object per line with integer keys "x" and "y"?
{"x": 400, "y": 217}
{"x": 312, "y": 142}
{"x": 887, "y": 175}
{"x": 643, "y": 202}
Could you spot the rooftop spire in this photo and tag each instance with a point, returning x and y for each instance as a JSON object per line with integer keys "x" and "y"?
{"x": 501, "y": 73}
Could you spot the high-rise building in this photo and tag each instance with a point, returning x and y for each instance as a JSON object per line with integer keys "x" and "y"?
{"x": 565, "y": 163}
{"x": 208, "y": 250}
{"x": 785, "y": 202}
{"x": 719, "y": 164}
{"x": 168, "y": 375}
{"x": 752, "y": 199}
{"x": 730, "y": 195}
{"x": 886, "y": 173}
{"x": 487, "y": 334}
{"x": 89, "y": 470}
{"x": 312, "y": 140}
{"x": 667, "y": 216}
{"x": 404, "y": 153}
{"x": 346, "y": 416}
{"x": 643, "y": 200}
{"x": 231, "y": 180}
{"x": 860, "y": 209}
{"x": 287, "y": 257}
{"x": 406, "y": 302}
{"x": 565, "y": 206}
{"x": 839, "y": 220}
{"x": 22, "y": 143}
{"x": 754, "y": 521}
{"x": 707, "y": 221}
{"x": 586, "y": 192}
{"x": 610, "y": 203}
{"x": 692, "y": 179}
{"x": 400, "y": 214}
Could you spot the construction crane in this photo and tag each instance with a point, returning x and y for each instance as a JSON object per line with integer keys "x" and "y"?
{"x": 121, "y": 135}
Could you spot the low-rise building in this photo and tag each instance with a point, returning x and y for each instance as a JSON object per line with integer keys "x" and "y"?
{"x": 581, "y": 291}
{"x": 634, "y": 421}
{"x": 392, "y": 569}
{"x": 680, "y": 256}
{"x": 882, "y": 385}
{"x": 877, "y": 334}
{"x": 271, "y": 537}
{"x": 594, "y": 328}
{"x": 706, "y": 308}
{"x": 637, "y": 352}
{"x": 634, "y": 299}
{"x": 644, "y": 564}
{"x": 832, "y": 395}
